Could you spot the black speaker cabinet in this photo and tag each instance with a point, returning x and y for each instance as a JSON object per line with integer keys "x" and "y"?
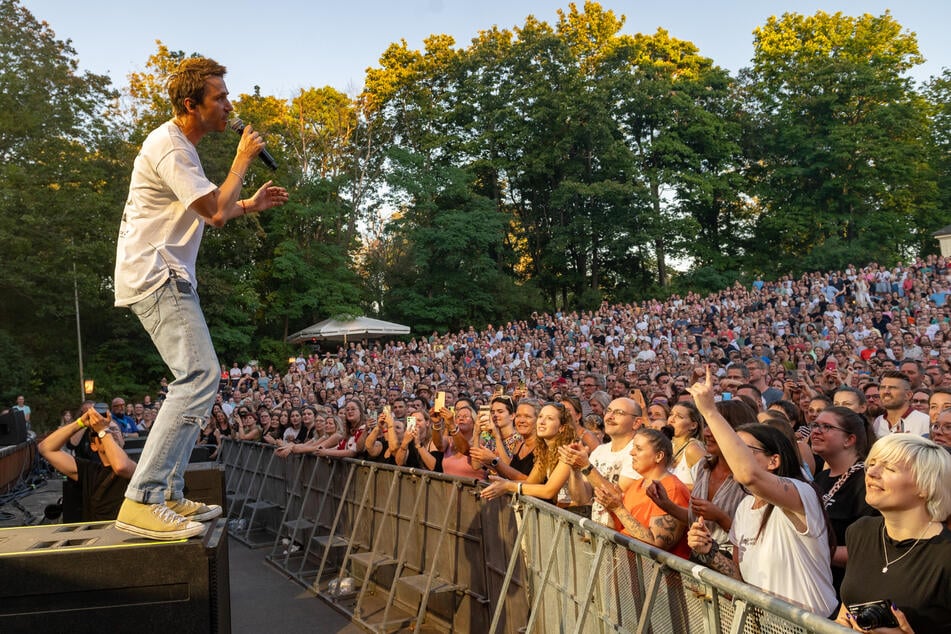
{"x": 205, "y": 482}
{"x": 93, "y": 578}
{"x": 12, "y": 428}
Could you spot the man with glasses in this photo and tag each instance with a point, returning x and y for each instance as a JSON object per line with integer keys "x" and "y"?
{"x": 899, "y": 416}
{"x": 610, "y": 462}
{"x": 874, "y": 399}
{"x": 591, "y": 383}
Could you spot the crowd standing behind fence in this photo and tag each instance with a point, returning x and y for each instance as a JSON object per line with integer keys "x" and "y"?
{"x": 791, "y": 343}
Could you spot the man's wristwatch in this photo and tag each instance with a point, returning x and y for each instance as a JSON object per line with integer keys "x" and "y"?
{"x": 102, "y": 433}
{"x": 587, "y": 469}
{"x": 495, "y": 462}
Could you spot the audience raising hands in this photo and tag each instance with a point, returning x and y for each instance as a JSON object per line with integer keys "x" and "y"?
{"x": 782, "y": 519}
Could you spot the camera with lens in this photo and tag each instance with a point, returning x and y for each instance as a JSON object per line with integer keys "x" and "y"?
{"x": 873, "y": 614}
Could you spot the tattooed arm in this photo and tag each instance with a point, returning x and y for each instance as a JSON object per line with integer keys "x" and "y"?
{"x": 664, "y": 531}
{"x": 702, "y": 545}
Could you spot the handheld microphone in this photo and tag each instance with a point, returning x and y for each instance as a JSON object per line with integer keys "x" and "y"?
{"x": 238, "y": 126}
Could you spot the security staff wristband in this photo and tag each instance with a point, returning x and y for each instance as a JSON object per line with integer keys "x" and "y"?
{"x": 81, "y": 423}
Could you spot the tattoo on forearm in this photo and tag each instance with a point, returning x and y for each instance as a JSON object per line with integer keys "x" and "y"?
{"x": 633, "y": 527}
{"x": 664, "y": 529}
{"x": 724, "y": 565}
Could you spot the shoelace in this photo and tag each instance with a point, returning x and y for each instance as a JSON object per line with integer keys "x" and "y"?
{"x": 167, "y": 515}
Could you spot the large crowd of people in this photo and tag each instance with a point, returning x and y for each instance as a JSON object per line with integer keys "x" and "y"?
{"x": 770, "y": 432}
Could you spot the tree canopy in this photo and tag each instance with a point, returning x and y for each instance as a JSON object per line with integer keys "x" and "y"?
{"x": 541, "y": 166}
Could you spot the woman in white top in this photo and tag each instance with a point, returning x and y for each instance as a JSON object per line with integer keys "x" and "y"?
{"x": 687, "y": 424}
{"x": 781, "y": 537}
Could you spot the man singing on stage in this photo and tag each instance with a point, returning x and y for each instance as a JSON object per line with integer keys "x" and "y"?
{"x": 169, "y": 202}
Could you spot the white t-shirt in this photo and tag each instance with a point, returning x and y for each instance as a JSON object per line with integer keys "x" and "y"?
{"x": 159, "y": 233}
{"x": 612, "y": 465}
{"x": 914, "y": 422}
{"x": 792, "y": 565}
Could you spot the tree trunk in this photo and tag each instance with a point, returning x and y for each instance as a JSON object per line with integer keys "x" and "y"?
{"x": 659, "y": 238}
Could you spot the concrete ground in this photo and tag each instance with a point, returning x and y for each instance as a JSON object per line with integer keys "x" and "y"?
{"x": 262, "y": 599}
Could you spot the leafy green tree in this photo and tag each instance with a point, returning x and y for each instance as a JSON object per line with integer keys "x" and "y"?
{"x": 444, "y": 273}
{"x": 840, "y": 139}
{"x": 935, "y": 216}
{"x": 61, "y": 191}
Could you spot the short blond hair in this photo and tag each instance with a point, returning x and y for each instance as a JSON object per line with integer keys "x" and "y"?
{"x": 928, "y": 463}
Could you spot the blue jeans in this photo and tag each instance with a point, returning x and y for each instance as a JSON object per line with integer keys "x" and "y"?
{"x": 173, "y": 318}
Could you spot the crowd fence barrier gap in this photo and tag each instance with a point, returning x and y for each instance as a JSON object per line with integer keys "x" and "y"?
{"x": 400, "y": 549}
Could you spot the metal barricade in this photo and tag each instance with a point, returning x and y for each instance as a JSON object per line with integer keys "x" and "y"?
{"x": 585, "y": 577}
{"x": 257, "y": 494}
{"x": 403, "y": 549}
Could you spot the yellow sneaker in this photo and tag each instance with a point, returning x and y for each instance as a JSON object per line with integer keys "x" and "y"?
{"x": 195, "y": 511}
{"x": 155, "y": 521}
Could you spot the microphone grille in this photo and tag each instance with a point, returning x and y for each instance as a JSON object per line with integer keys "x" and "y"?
{"x": 237, "y": 125}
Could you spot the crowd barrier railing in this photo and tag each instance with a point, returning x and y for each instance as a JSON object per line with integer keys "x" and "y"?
{"x": 399, "y": 549}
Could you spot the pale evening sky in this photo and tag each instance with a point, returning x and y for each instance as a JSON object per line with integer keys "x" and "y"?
{"x": 284, "y": 45}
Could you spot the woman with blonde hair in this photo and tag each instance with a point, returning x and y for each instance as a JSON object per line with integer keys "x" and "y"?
{"x": 903, "y": 557}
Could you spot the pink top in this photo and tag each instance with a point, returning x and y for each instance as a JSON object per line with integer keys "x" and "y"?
{"x": 457, "y": 464}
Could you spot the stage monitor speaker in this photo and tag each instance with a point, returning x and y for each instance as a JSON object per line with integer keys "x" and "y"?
{"x": 93, "y": 578}
{"x": 12, "y": 428}
{"x": 205, "y": 482}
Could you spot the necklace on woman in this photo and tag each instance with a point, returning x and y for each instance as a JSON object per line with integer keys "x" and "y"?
{"x": 902, "y": 556}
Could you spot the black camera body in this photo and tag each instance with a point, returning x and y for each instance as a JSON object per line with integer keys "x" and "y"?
{"x": 873, "y": 614}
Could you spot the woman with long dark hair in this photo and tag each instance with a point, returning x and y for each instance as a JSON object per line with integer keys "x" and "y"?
{"x": 781, "y": 520}
{"x": 841, "y": 437}
{"x": 687, "y": 425}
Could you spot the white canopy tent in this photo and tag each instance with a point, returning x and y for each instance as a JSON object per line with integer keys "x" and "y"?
{"x": 342, "y": 330}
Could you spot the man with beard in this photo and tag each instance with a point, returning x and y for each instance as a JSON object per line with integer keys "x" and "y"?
{"x": 899, "y": 417}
